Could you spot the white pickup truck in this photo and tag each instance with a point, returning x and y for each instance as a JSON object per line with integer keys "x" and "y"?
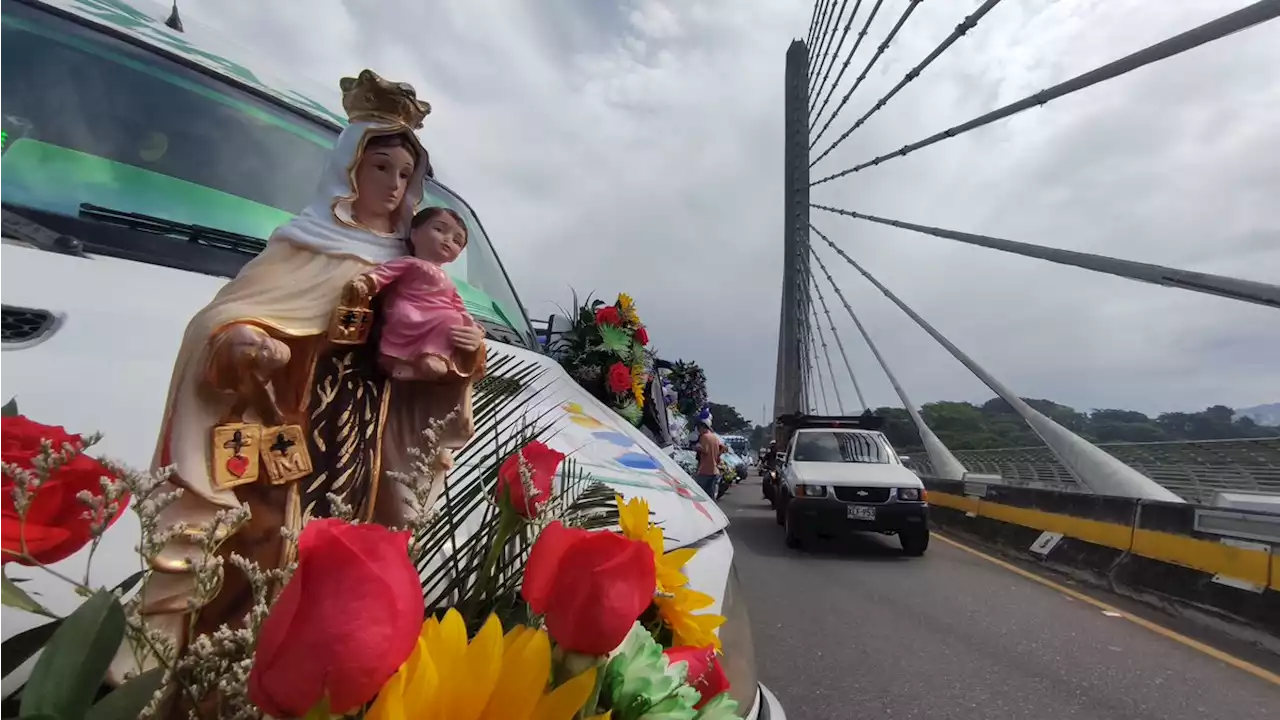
{"x": 841, "y": 475}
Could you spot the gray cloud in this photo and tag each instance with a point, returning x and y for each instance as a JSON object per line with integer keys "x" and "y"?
{"x": 638, "y": 145}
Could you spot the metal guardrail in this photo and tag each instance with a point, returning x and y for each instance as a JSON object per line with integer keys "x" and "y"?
{"x": 1195, "y": 470}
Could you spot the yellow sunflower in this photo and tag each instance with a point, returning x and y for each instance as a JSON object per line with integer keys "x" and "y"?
{"x": 637, "y": 389}
{"x": 677, "y": 609}
{"x": 634, "y": 520}
{"x": 627, "y": 307}
{"x": 676, "y": 603}
{"x": 490, "y": 678}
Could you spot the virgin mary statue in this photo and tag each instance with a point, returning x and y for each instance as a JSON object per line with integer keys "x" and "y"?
{"x": 276, "y": 401}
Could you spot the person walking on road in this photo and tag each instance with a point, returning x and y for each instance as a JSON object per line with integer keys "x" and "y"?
{"x": 710, "y": 448}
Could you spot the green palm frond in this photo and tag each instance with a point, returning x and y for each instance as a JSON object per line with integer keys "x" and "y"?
{"x": 583, "y": 501}
{"x": 505, "y": 409}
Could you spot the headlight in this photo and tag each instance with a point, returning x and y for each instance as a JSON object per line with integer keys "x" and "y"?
{"x": 739, "y": 659}
{"x": 816, "y": 491}
{"x": 909, "y": 494}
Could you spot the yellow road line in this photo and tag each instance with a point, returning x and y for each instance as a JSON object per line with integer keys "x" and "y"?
{"x": 1157, "y": 629}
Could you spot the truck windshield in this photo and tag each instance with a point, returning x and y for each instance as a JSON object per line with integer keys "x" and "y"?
{"x": 840, "y": 447}
{"x": 89, "y": 119}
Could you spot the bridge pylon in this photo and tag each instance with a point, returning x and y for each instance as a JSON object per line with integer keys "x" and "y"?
{"x": 793, "y": 325}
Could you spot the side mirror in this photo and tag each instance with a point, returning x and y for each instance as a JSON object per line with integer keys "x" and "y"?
{"x": 557, "y": 327}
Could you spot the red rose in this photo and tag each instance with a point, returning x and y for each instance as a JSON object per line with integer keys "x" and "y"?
{"x": 706, "y": 675}
{"x": 620, "y": 378}
{"x": 543, "y": 463}
{"x": 642, "y": 335}
{"x": 608, "y": 315}
{"x": 56, "y": 526}
{"x": 344, "y": 624}
{"x": 590, "y": 586}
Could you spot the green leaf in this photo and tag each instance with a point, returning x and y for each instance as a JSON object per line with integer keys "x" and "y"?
{"x": 128, "y": 701}
{"x": 10, "y": 408}
{"x": 71, "y": 668}
{"x": 128, "y": 583}
{"x": 721, "y": 707}
{"x": 641, "y": 683}
{"x": 616, "y": 340}
{"x": 630, "y": 411}
{"x": 19, "y": 648}
{"x": 16, "y": 597}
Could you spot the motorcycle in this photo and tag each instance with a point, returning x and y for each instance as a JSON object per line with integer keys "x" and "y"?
{"x": 769, "y": 483}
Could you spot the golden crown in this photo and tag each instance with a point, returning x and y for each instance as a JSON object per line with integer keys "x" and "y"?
{"x": 369, "y": 97}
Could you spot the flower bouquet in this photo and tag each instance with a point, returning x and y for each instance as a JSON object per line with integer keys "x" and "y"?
{"x": 690, "y": 385}
{"x": 553, "y": 608}
{"x": 728, "y": 472}
{"x": 604, "y": 350}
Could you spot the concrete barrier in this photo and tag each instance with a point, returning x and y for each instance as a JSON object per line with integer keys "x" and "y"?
{"x": 1221, "y": 563}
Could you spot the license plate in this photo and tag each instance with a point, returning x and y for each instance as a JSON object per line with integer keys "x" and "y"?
{"x": 862, "y": 512}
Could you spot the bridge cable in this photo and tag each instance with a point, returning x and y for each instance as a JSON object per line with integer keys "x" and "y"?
{"x": 1257, "y": 13}
{"x": 828, "y": 54}
{"x": 871, "y": 345}
{"x": 813, "y": 24}
{"x": 840, "y": 345}
{"x": 847, "y": 59}
{"x": 824, "y": 47}
{"x": 1091, "y": 466}
{"x": 810, "y": 360}
{"x": 831, "y": 370}
{"x": 817, "y": 373}
{"x": 1250, "y": 291}
{"x": 819, "y": 41}
{"x": 806, "y": 372}
{"x": 902, "y": 20}
{"x": 848, "y": 25}
{"x": 965, "y": 26}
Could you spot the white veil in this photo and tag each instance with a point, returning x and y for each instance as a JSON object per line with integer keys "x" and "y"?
{"x": 327, "y": 226}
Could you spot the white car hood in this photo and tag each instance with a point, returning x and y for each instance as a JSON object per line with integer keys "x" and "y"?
{"x": 854, "y": 474}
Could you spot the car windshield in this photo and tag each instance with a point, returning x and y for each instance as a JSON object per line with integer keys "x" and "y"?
{"x": 92, "y": 120}
{"x": 840, "y": 447}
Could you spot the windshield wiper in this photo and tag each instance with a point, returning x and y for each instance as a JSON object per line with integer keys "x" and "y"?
{"x": 19, "y": 227}
{"x": 200, "y": 234}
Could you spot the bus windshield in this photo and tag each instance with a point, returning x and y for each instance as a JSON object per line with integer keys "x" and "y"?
{"x": 92, "y": 120}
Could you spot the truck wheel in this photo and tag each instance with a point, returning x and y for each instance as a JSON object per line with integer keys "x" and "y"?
{"x": 780, "y": 508}
{"x": 791, "y": 539}
{"x": 914, "y": 542}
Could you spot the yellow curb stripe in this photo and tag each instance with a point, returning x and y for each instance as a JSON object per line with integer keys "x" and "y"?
{"x": 1253, "y": 566}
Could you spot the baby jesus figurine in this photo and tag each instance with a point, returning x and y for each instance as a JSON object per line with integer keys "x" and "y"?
{"x": 423, "y": 315}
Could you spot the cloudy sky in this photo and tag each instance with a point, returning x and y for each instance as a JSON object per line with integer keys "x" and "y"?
{"x": 638, "y": 144}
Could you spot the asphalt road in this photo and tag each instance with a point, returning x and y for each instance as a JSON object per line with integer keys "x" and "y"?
{"x": 853, "y": 631}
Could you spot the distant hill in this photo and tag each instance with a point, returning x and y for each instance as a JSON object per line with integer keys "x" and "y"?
{"x": 1261, "y": 414}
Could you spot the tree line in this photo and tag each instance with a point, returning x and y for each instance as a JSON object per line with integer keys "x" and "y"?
{"x": 994, "y": 424}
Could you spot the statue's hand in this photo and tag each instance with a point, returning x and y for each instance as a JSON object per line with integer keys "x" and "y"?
{"x": 361, "y": 288}
{"x": 253, "y": 352}
{"x": 466, "y": 338}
